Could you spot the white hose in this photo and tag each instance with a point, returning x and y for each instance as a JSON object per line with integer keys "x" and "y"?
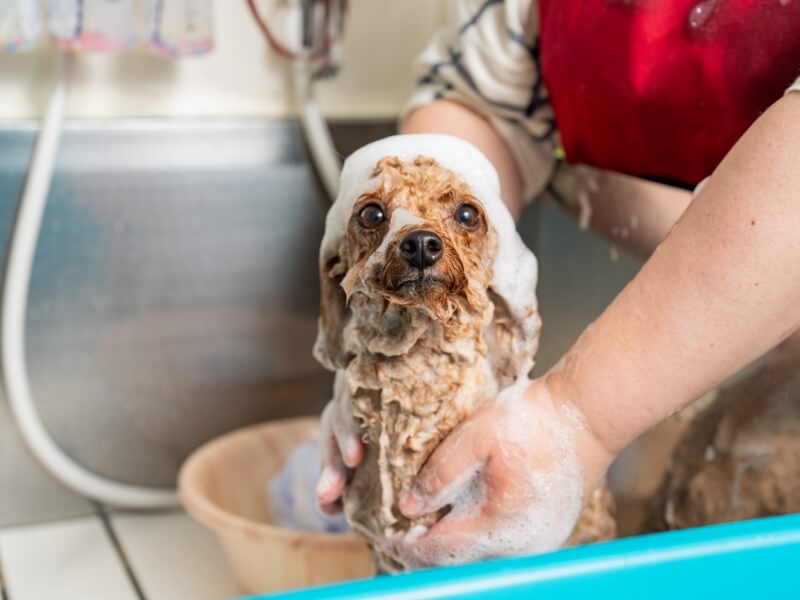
{"x": 318, "y": 136}
{"x": 24, "y": 236}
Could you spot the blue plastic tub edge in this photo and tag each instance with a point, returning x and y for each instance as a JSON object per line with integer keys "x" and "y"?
{"x": 751, "y": 559}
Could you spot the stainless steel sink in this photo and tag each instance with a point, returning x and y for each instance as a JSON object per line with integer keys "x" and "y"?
{"x": 174, "y": 293}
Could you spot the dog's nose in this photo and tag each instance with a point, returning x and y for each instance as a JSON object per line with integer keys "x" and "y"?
{"x": 421, "y": 248}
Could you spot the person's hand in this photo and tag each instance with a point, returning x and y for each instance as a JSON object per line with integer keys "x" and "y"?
{"x": 340, "y": 447}
{"x": 514, "y": 474}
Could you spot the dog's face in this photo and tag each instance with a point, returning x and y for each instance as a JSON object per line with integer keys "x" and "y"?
{"x": 418, "y": 239}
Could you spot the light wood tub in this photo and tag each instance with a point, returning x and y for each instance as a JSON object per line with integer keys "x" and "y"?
{"x": 222, "y": 485}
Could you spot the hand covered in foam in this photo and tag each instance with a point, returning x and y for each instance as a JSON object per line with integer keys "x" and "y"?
{"x": 515, "y": 475}
{"x": 340, "y": 447}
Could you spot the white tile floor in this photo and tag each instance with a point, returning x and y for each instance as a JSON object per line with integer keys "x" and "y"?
{"x": 155, "y": 557}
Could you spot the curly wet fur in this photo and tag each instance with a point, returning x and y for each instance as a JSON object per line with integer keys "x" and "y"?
{"x": 738, "y": 458}
{"x": 421, "y": 350}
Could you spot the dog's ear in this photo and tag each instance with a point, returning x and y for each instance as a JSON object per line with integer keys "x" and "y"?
{"x": 333, "y": 313}
{"x": 513, "y": 334}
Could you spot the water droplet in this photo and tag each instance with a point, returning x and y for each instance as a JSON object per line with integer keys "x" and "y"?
{"x": 701, "y": 13}
{"x": 669, "y": 513}
{"x": 784, "y": 2}
{"x": 584, "y": 210}
{"x": 620, "y": 232}
{"x": 711, "y": 453}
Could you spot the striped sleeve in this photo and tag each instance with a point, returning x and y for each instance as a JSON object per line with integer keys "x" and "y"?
{"x": 487, "y": 58}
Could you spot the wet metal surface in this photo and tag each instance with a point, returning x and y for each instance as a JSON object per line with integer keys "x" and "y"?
{"x": 174, "y": 291}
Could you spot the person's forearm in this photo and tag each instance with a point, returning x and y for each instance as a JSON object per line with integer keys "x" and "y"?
{"x": 722, "y": 289}
{"x": 633, "y": 213}
{"x": 446, "y": 116}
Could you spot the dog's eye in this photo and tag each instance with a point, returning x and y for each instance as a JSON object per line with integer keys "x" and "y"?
{"x": 467, "y": 216}
{"x": 371, "y": 216}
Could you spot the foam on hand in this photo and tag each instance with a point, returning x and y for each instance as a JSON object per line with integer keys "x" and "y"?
{"x": 550, "y": 501}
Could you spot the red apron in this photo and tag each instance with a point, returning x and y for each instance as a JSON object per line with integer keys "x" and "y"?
{"x": 664, "y": 88}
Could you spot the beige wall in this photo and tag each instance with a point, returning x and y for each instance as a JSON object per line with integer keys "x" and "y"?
{"x": 241, "y": 77}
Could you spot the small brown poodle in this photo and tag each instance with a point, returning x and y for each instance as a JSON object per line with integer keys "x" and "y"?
{"x": 428, "y": 311}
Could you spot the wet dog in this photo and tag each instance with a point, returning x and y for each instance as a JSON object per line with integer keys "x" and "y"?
{"x": 428, "y": 311}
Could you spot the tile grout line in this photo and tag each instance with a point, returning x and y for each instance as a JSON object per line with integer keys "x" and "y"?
{"x": 48, "y": 521}
{"x": 112, "y": 536}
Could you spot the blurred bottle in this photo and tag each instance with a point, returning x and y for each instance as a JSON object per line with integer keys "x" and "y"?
{"x": 20, "y": 25}
{"x": 92, "y": 25}
{"x": 179, "y": 27}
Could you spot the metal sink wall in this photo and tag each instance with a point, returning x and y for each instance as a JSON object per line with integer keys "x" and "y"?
{"x": 174, "y": 292}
